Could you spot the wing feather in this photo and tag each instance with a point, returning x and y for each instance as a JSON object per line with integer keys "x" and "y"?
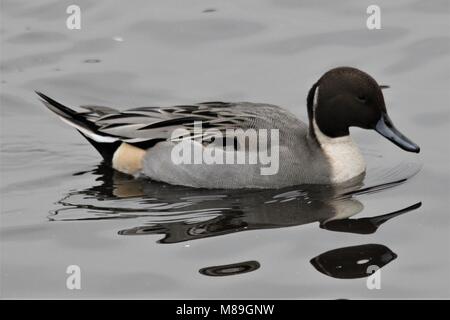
{"x": 142, "y": 124}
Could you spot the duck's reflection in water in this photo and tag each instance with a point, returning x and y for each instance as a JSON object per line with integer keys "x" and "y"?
{"x": 364, "y": 225}
{"x": 184, "y": 214}
{"x": 353, "y": 262}
{"x": 230, "y": 269}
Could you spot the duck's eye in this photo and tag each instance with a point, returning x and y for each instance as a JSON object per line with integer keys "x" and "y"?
{"x": 362, "y": 98}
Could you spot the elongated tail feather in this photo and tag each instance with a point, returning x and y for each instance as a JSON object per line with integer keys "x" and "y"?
{"x": 105, "y": 144}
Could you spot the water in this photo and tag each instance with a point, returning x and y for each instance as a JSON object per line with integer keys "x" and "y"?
{"x": 141, "y": 239}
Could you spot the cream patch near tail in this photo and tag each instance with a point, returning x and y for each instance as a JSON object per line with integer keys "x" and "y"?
{"x": 128, "y": 159}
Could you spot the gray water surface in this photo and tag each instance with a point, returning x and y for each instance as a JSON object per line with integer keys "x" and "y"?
{"x": 135, "y": 238}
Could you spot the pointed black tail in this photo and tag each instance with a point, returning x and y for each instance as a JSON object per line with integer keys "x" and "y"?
{"x": 106, "y": 145}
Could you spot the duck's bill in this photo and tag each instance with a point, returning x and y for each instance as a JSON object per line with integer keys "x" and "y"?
{"x": 386, "y": 128}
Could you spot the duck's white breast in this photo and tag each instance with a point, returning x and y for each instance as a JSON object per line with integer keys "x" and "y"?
{"x": 345, "y": 159}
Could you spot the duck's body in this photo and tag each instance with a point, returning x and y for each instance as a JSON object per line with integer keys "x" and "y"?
{"x": 141, "y": 141}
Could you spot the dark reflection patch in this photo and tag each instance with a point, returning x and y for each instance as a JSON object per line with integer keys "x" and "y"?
{"x": 230, "y": 269}
{"x": 365, "y": 225}
{"x": 353, "y": 262}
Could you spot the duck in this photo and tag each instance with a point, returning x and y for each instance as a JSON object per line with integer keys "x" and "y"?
{"x": 141, "y": 141}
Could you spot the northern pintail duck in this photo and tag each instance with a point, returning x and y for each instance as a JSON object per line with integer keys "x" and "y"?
{"x": 141, "y": 141}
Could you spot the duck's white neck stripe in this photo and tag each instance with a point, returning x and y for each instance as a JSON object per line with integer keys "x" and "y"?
{"x": 343, "y": 155}
{"x": 316, "y": 97}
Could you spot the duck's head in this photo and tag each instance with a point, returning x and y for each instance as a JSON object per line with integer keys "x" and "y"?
{"x": 346, "y": 97}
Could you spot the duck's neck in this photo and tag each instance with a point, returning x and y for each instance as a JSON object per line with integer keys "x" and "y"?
{"x": 343, "y": 155}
